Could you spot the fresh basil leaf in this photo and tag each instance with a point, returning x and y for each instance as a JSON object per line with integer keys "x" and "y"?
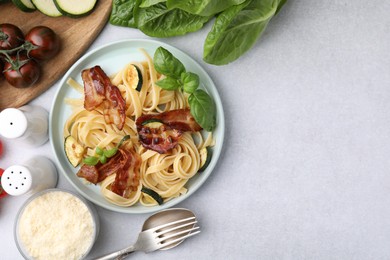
{"x": 103, "y": 159}
{"x": 147, "y": 3}
{"x": 110, "y": 153}
{"x": 203, "y": 7}
{"x": 168, "y": 83}
{"x": 203, "y": 109}
{"x": 91, "y": 160}
{"x": 166, "y": 64}
{"x": 159, "y": 21}
{"x": 242, "y": 25}
{"x": 99, "y": 151}
{"x": 122, "y": 13}
{"x": 190, "y": 82}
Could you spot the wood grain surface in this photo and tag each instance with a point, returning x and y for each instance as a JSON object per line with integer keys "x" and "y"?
{"x": 76, "y": 36}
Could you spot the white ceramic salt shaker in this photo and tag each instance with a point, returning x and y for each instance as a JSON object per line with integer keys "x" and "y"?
{"x": 28, "y": 123}
{"x": 37, "y": 174}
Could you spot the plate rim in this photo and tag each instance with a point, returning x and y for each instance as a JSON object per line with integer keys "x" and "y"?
{"x": 217, "y": 148}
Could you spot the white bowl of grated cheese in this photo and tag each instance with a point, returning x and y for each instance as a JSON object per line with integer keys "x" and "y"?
{"x": 56, "y": 224}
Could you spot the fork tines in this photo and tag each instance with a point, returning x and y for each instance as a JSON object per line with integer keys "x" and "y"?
{"x": 173, "y": 223}
{"x": 175, "y": 231}
{"x": 162, "y": 231}
{"x": 167, "y": 240}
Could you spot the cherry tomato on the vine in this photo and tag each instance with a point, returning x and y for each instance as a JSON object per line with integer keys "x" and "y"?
{"x": 10, "y": 36}
{"x": 46, "y": 42}
{"x": 22, "y": 72}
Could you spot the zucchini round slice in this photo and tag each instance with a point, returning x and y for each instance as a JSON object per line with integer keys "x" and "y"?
{"x": 75, "y": 8}
{"x": 205, "y": 158}
{"x": 73, "y": 150}
{"x": 24, "y": 5}
{"x": 46, "y": 7}
{"x": 153, "y": 194}
{"x": 134, "y": 77}
{"x": 152, "y": 123}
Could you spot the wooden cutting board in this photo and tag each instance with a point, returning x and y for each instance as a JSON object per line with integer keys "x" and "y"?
{"x": 76, "y": 36}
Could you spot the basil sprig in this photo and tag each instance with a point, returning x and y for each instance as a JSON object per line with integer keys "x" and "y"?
{"x": 104, "y": 154}
{"x": 202, "y": 106}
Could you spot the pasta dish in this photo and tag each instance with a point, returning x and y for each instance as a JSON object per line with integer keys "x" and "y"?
{"x": 138, "y": 141}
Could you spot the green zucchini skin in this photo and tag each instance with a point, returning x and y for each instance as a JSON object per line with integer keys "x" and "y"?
{"x": 207, "y": 161}
{"x": 70, "y": 13}
{"x": 73, "y": 151}
{"x": 153, "y": 194}
{"x": 152, "y": 120}
{"x": 46, "y": 7}
{"x": 22, "y": 6}
{"x": 140, "y": 79}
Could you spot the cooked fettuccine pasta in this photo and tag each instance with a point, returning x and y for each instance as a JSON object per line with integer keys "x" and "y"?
{"x": 163, "y": 173}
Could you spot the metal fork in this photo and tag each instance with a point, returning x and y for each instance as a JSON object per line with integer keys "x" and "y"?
{"x": 162, "y": 237}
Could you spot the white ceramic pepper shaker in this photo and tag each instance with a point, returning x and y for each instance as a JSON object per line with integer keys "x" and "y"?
{"x": 37, "y": 174}
{"x": 28, "y": 123}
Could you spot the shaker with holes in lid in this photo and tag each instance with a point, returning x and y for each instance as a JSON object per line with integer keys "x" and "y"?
{"x": 28, "y": 123}
{"x": 37, "y": 174}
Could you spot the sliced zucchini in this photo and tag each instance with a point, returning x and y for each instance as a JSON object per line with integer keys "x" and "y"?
{"x": 152, "y": 123}
{"x": 24, "y": 5}
{"x": 47, "y": 7}
{"x": 153, "y": 194}
{"x": 73, "y": 150}
{"x": 205, "y": 158}
{"x": 75, "y": 8}
{"x": 125, "y": 138}
{"x": 134, "y": 77}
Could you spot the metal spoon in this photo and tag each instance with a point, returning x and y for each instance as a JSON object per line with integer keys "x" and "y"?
{"x": 163, "y": 230}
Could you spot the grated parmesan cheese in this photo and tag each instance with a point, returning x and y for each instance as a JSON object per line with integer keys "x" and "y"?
{"x": 56, "y": 225}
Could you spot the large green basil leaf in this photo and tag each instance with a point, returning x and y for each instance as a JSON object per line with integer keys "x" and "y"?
{"x": 166, "y": 64}
{"x": 237, "y": 29}
{"x": 147, "y": 3}
{"x": 203, "y": 7}
{"x": 159, "y": 21}
{"x": 122, "y": 13}
{"x": 203, "y": 109}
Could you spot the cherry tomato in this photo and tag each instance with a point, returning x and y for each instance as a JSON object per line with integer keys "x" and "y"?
{"x": 2, "y": 192}
{"x": 22, "y": 72}
{"x": 1, "y": 148}
{"x": 46, "y": 42}
{"x": 10, "y": 36}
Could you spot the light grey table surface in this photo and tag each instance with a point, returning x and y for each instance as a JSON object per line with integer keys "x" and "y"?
{"x": 305, "y": 171}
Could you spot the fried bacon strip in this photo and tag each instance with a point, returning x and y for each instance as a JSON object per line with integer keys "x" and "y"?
{"x": 165, "y": 137}
{"x": 127, "y": 177}
{"x": 94, "y": 87}
{"x": 160, "y": 139}
{"x": 89, "y": 172}
{"x": 179, "y": 119}
{"x": 125, "y": 164}
{"x": 98, "y": 89}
